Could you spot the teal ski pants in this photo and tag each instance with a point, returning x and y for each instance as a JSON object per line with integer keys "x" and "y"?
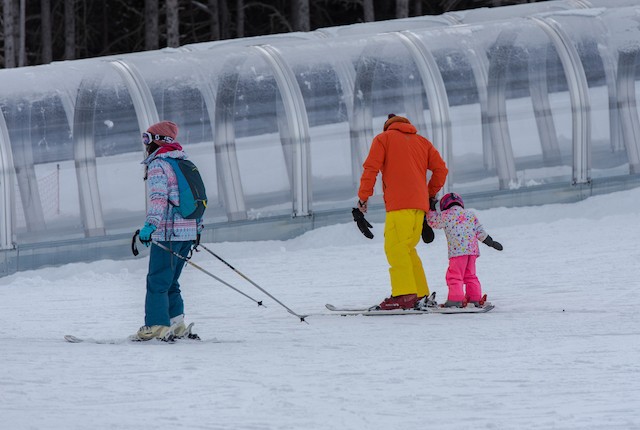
{"x": 163, "y": 300}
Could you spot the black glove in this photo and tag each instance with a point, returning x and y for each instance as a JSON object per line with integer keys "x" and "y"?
{"x": 492, "y": 243}
{"x": 427, "y": 232}
{"x": 363, "y": 224}
{"x": 432, "y": 203}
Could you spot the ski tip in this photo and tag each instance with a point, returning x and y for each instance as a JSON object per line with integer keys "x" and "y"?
{"x": 488, "y": 306}
{"x": 331, "y": 307}
{"x": 72, "y": 339}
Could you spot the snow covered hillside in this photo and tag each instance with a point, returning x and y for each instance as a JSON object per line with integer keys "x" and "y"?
{"x": 560, "y": 351}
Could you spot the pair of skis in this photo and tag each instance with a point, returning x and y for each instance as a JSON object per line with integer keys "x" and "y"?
{"x": 428, "y": 307}
{"x": 134, "y": 338}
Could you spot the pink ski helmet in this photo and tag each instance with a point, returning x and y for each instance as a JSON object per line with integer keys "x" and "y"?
{"x": 449, "y": 200}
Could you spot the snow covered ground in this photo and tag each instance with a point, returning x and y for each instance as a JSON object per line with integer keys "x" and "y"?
{"x": 560, "y": 351}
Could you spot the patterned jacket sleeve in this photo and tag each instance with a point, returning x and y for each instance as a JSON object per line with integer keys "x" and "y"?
{"x": 435, "y": 219}
{"x": 157, "y": 193}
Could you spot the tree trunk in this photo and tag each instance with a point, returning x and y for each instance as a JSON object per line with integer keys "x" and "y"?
{"x": 9, "y": 34}
{"x": 224, "y": 21}
{"x": 300, "y": 12}
{"x": 215, "y": 19}
{"x": 151, "y": 33}
{"x": 45, "y": 24}
{"x": 22, "y": 34}
{"x": 105, "y": 27}
{"x": 69, "y": 30}
{"x": 173, "y": 24}
{"x": 417, "y": 8}
{"x": 367, "y": 6}
{"x": 240, "y": 18}
{"x": 402, "y": 8}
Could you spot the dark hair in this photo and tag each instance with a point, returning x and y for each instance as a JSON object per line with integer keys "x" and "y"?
{"x": 152, "y": 147}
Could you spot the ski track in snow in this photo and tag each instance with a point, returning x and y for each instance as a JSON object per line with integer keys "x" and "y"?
{"x": 560, "y": 351}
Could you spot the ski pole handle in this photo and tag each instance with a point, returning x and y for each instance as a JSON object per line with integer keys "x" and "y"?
{"x": 134, "y": 248}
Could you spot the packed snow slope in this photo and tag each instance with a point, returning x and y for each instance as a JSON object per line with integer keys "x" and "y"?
{"x": 560, "y": 351}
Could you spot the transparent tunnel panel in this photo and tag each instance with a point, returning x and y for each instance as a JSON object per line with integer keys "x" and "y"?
{"x": 463, "y": 70}
{"x": 528, "y": 104}
{"x": 107, "y": 124}
{"x": 253, "y": 143}
{"x": 538, "y": 108}
{"x": 588, "y": 34}
{"x": 396, "y": 86}
{"x": 325, "y": 83}
{"x": 619, "y": 47}
{"x": 180, "y": 90}
{"x": 183, "y": 91}
{"x": 37, "y": 110}
{"x": 529, "y": 112}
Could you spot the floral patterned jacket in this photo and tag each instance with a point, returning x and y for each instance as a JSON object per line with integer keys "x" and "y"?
{"x": 162, "y": 196}
{"x": 462, "y": 228}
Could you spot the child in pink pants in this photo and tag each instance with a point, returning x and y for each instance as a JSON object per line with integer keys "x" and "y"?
{"x": 463, "y": 230}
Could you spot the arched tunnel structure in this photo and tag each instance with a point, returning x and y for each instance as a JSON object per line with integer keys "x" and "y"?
{"x": 528, "y": 104}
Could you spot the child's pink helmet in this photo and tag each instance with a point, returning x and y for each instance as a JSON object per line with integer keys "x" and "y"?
{"x": 449, "y": 200}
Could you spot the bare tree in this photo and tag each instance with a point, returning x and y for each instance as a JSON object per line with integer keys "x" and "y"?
{"x": 9, "y": 34}
{"x": 402, "y": 8}
{"x": 151, "y": 33}
{"x": 300, "y": 14}
{"x": 35, "y": 30}
{"x": 367, "y": 6}
{"x": 224, "y": 20}
{"x": 240, "y": 18}
{"x": 417, "y": 8}
{"x": 45, "y": 28}
{"x": 214, "y": 20}
{"x": 22, "y": 34}
{"x": 173, "y": 24}
{"x": 69, "y": 30}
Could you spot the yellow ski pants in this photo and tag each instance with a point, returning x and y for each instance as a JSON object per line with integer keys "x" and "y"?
{"x": 402, "y": 232}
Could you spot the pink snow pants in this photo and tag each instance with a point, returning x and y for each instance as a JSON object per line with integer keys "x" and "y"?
{"x": 461, "y": 273}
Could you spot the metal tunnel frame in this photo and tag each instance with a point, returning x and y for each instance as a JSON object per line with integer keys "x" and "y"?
{"x": 294, "y": 135}
{"x": 6, "y": 188}
{"x": 627, "y": 106}
{"x": 578, "y": 91}
{"x": 84, "y": 137}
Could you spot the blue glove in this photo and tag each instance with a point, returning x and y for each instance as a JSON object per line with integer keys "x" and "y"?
{"x": 145, "y": 234}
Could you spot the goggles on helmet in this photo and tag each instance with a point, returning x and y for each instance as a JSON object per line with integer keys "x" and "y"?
{"x": 147, "y": 138}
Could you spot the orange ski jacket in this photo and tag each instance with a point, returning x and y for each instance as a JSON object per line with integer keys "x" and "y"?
{"x": 403, "y": 157}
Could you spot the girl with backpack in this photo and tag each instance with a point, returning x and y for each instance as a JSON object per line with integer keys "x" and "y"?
{"x": 164, "y": 307}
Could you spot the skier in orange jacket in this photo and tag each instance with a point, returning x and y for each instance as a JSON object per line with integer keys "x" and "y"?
{"x": 403, "y": 157}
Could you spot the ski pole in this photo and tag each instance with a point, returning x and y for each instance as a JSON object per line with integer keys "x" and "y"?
{"x": 134, "y": 249}
{"x": 302, "y": 317}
